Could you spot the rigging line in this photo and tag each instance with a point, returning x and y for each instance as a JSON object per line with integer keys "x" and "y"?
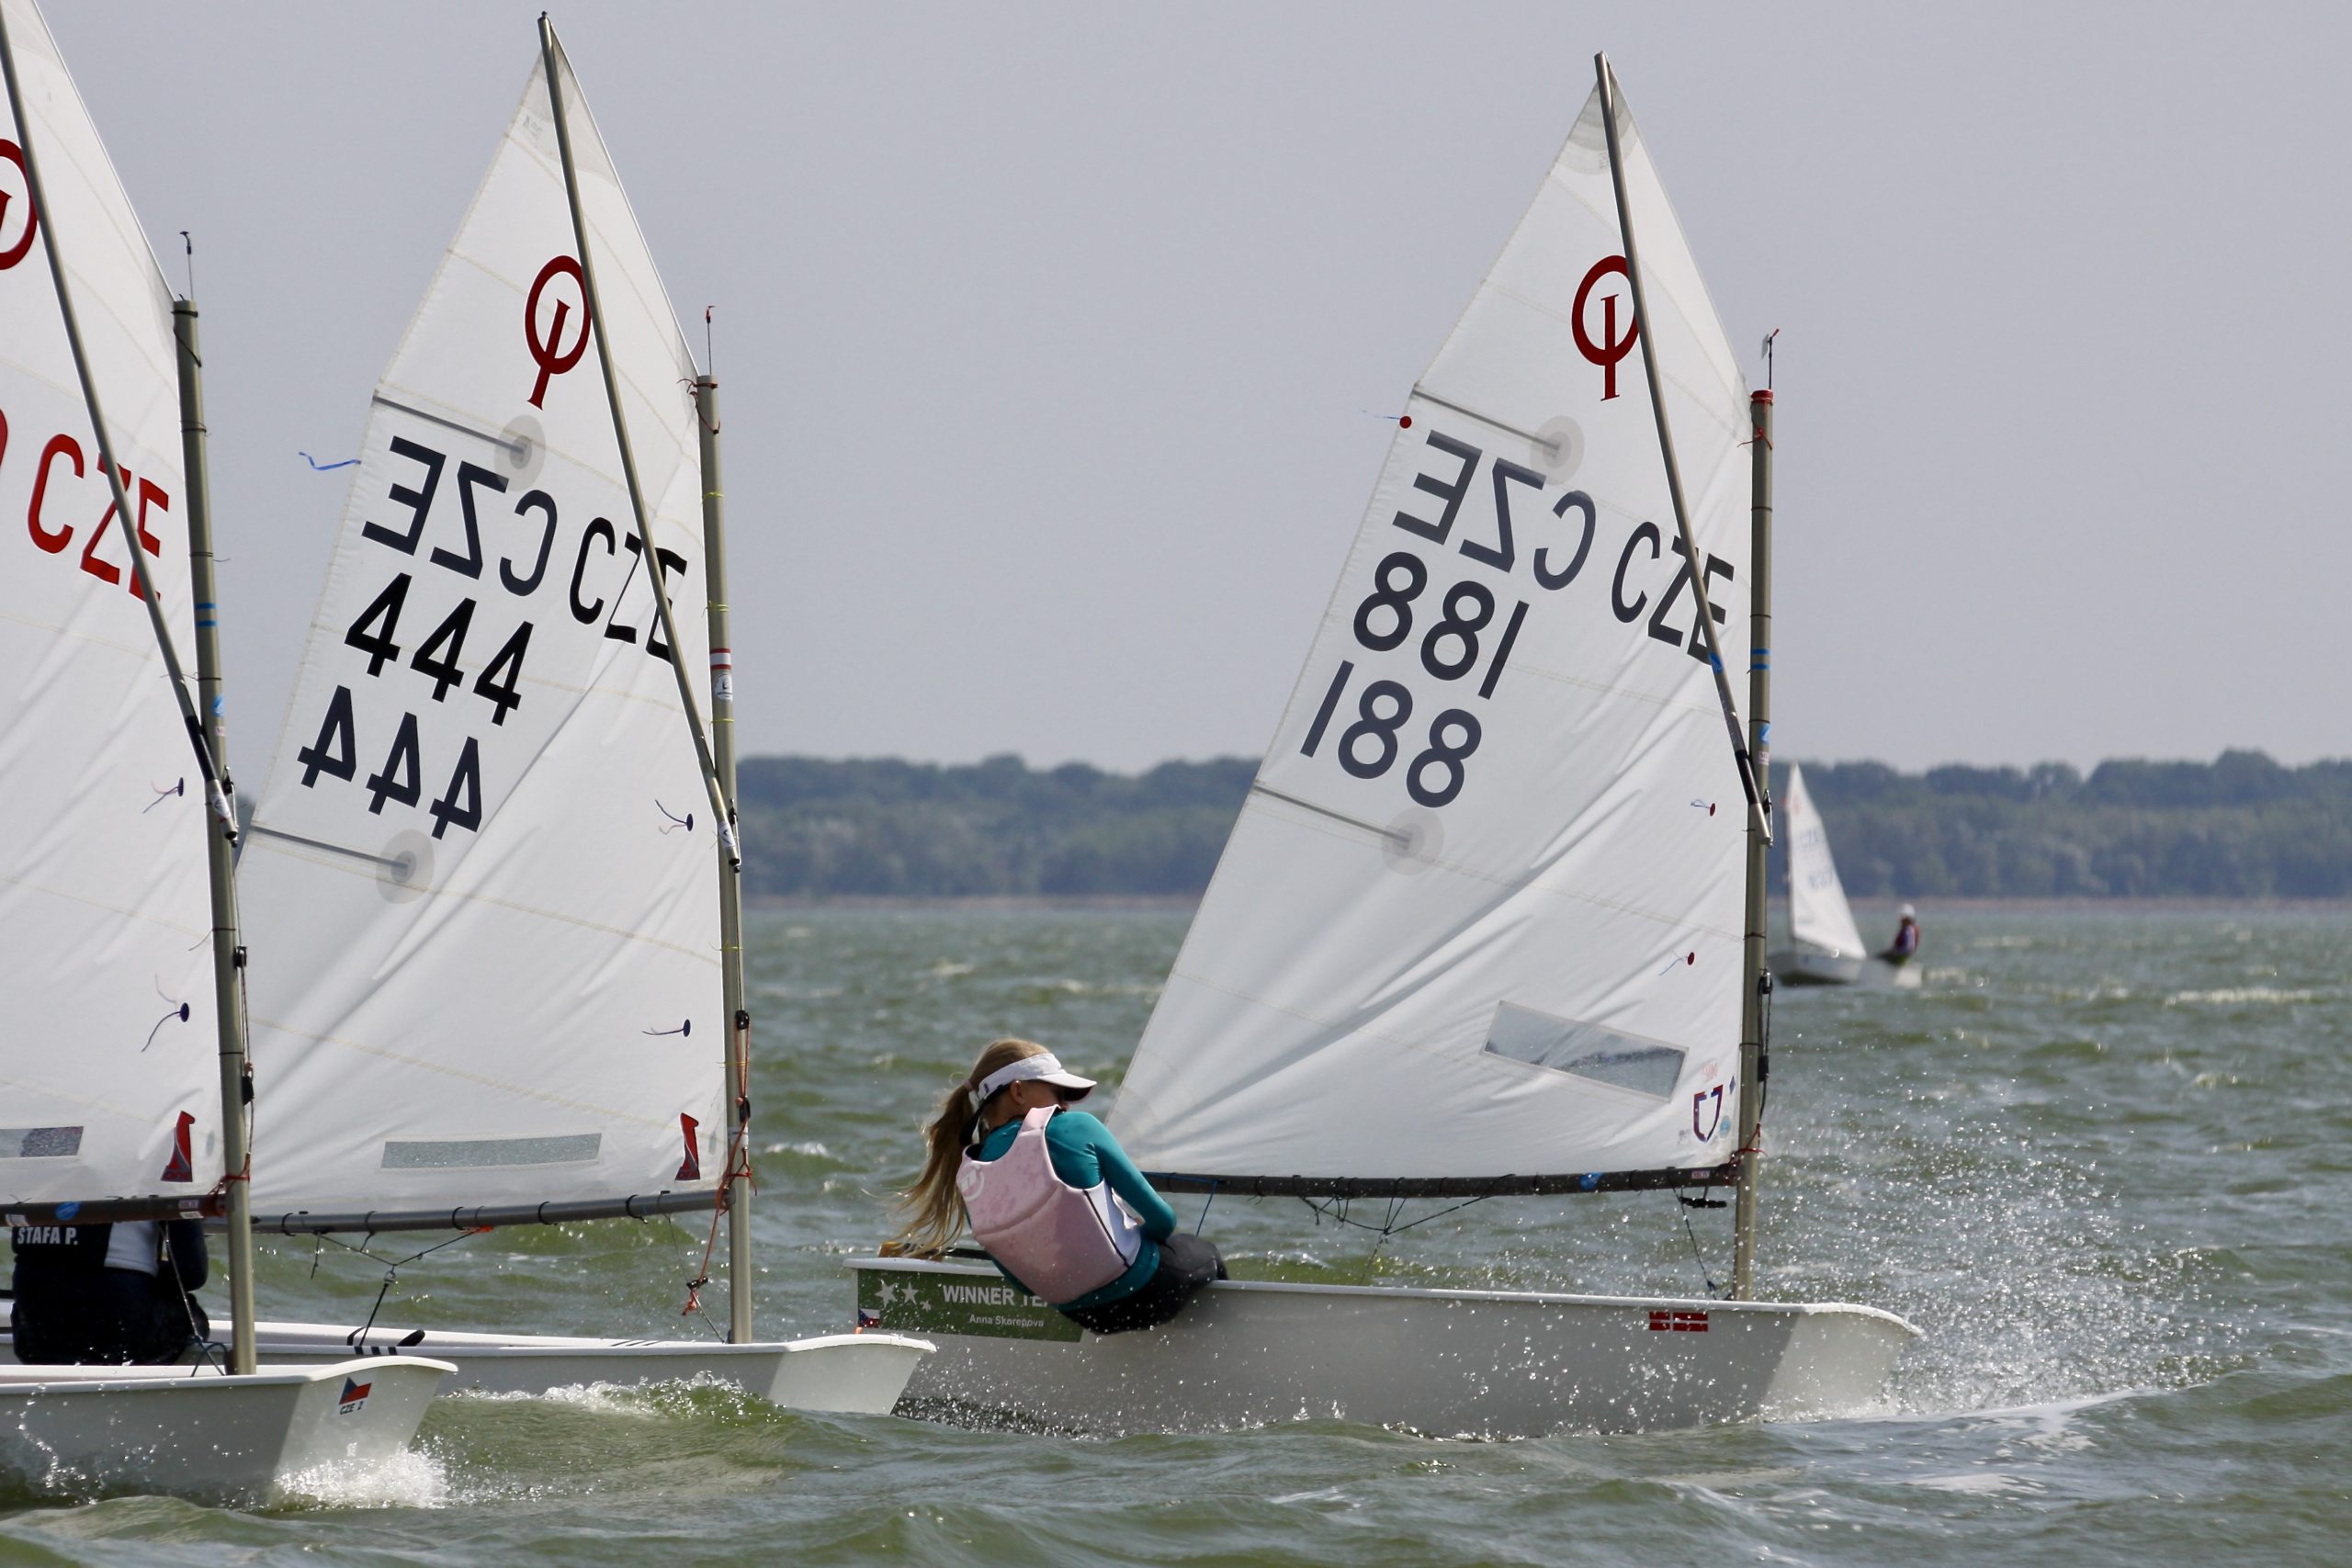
{"x": 392, "y": 1268}
{"x": 1325, "y": 1210}
{"x": 738, "y": 1163}
{"x": 1696, "y": 1257}
{"x": 206, "y": 1347}
{"x": 1204, "y": 1209}
{"x": 1763, "y": 1060}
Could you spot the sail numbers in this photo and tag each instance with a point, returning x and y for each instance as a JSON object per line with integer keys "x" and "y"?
{"x": 61, "y": 512}
{"x": 1462, "y": 633}
{"x": 445, "y": 665}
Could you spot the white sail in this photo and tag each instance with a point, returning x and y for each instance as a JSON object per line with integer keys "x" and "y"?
{"x": 479, "y": 889}
{"x": 1819, "y": 917}
{"x": 109, "y": 1065}
{"x": 1499, "y": 934}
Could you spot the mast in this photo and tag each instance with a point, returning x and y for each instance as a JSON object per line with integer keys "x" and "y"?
{"x": 1756, "y": 989}
{"x": 228, "y": 951}
{"x": 738, "y": 1190}
{"x": 720, "y": 787}
{"x": 222, "y": 837}
{"x": 1760, "y": 805}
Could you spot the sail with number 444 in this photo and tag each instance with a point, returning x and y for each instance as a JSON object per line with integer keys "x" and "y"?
{"x": 1478, "y": 927}
{"x": 478, "y": 891}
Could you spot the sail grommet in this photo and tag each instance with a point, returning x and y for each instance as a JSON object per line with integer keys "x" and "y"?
{"x": 522, "y": 449}
{"x": 404, "y": 868}
{"x": 1410, "y": 844}
{"x": 1560, "y": 450}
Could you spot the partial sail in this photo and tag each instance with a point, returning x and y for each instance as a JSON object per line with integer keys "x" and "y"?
{"x": 1819, "y": 917}
{"x": 1481, "y": 915}
{"x": 109, "y": 1065}
{"x": 479, "y": 885}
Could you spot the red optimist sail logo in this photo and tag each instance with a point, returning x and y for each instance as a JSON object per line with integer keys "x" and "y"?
{"x": 181, "y": 1166}
{"x": 1611, "y": 348}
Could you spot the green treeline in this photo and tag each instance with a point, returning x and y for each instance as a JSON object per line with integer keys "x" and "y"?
{"x": 2239, "y": 826}
{"x": 998, "y": 827}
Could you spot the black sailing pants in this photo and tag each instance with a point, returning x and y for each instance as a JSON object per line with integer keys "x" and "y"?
{"x": 1186, "y": 1263}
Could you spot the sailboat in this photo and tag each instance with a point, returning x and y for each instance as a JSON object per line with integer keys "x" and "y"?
{"x": 1827, "y": 946}
{"x": 1491, "y": 921}
{"x": 503, "y": 988}
{"x": 121, "y": 1065}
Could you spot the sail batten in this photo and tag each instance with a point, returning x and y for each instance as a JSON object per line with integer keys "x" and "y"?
{"x": 1482, "y": 909}
{"x": 487, "y": 966}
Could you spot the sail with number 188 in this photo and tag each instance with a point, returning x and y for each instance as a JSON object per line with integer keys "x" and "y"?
{"x": 1483, "y": 927}
{"x": 1481, "y": 916}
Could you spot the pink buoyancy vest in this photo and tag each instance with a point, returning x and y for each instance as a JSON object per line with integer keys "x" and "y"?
{"x": 1061, "y": 1241}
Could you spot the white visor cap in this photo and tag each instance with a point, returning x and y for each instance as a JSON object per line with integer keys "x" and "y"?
{"x": 1907, "y": 913}
{"x": 1043, "y": 1067}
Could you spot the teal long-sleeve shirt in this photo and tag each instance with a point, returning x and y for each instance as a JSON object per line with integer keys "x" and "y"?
{"x": 1084, "y": 1154}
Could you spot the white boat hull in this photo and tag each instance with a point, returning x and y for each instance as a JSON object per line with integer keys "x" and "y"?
{"x": 191, "y": 1432}
{"x": 1444, "y": 1362}
{"x": 833, "y": 1374}
{"x": 1798, "y": 967}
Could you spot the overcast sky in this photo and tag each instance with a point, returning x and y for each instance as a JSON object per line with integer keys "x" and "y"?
{"x": 1053, "y": 340}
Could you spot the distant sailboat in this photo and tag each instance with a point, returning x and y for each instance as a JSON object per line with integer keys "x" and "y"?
{"x": 1827, "y": 947}
{"x": 1491, "y": 921}
{"x": 502, "y": 986}
{"x": 118, "y": 1068}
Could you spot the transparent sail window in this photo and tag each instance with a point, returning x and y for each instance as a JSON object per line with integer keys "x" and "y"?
{"x": 478, "y": 1153}
{"x": 39, "y": 1143}
{"x": 1586, "y": 1050}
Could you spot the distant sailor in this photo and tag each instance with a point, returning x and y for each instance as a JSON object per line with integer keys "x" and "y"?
{"x": 115, "y": 1294}
{"x": 1906, "y": 936}
{"x": 1061, "y": 1209}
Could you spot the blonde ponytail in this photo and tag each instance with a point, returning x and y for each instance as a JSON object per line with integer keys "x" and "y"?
{"x": 935, "y": 1207}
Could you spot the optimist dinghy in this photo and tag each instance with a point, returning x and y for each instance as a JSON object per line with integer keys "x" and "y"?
{"x": 1827, "y": 946}
{"x": 1491, "y": 920}
{"x": 502, "y": 988}
{"x": 121, "y": 1064}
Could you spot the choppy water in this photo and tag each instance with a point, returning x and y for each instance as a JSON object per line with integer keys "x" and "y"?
{"x": 2105, "y": 1160}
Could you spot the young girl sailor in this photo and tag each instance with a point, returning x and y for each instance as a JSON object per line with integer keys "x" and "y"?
{"x": 1061, "y": 1209}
